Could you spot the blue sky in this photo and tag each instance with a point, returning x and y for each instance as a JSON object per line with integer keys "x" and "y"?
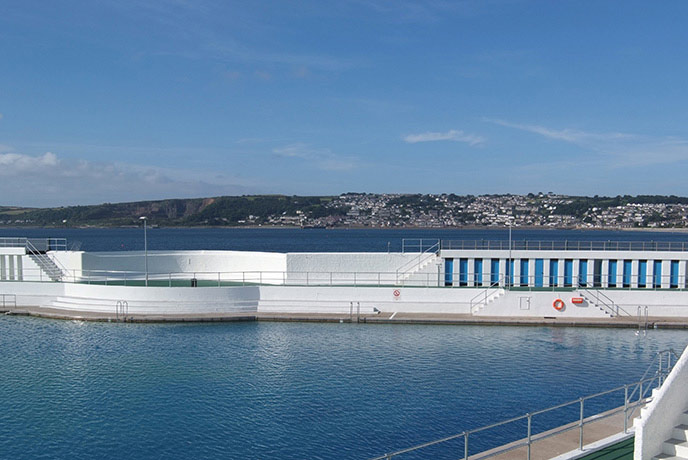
{"x": 116, "y": 100}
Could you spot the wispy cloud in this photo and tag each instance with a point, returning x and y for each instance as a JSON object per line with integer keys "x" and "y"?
{"x": 616, "y": 149}
{"x": 568, "y": 135}
{"x": 451, "y": 135}
{"x": 323, "y": 159}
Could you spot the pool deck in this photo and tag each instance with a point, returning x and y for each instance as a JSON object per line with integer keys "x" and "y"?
{"x": 603, "y": 439}
{"x": 382, "y": 318}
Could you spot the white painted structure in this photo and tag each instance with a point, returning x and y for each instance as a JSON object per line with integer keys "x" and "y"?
{"x": 662, "y": 430}
{"x": 481, "y": 282}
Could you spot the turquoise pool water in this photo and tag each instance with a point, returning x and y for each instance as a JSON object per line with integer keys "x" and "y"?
{"x": 74, "y": 390}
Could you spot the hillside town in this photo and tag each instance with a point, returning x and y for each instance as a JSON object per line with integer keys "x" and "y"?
{"x": 449, "y": 210}
{"x": 544, "y": 210}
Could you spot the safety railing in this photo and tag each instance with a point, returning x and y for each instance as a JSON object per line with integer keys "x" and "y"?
{"x": 564, "y": 245}
{"x": 568, "y": 281}
{"x": 419, "y": 245}
{"x": 425, "y": 254}
{"x": 425, "y": 278}
{"x": 481, "y": 299}
{"x": 635, "y": 395}
{"x": 8, "y": 301}
{"x": 605, "y": 302}
{"x": 42, "y": 244}
{"x": 53, "y": 268}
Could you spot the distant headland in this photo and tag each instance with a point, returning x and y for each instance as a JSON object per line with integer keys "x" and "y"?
{"x": 367, "y": 210}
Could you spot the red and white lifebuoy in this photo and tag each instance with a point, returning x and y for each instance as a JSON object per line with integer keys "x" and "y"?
{"x": 558, "y": 305}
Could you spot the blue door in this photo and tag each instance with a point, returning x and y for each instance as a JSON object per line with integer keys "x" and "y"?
{"x": 657, "y": 274}
{"x": 539, "y": 266}
{"x": 582, "y": 273}
{"x": 597, "y": 273}
{"x": 553, "y": 272}
{"x": 627, "y": 271}
{"x": 494, "y": 271}
{"x": 524, "y": 273}
{"x": 463, "y": 272}
{"x": 673, "y": 282}
{"x": 478, "y": 272}
{"x": 568, "y": 272}
{"x": 448, "y": 272}
{"x": 642, "y": 273}
{"x": 611, "y": 281}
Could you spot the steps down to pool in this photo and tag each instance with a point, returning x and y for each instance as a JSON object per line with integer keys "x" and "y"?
{"x": 676, "y": 447}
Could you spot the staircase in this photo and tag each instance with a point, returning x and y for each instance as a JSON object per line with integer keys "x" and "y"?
{"x": 486, "y": 297}
{"x": 426, "y": 256}
{"x": 676, "y": 448}
{"x": 603, "y": 302}
{"x": 46, "y": 264}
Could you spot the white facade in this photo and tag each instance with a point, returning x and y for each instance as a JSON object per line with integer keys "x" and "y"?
{"x": 590, "y": 284}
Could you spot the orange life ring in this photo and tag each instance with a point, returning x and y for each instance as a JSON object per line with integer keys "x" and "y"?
{"x": 558, "y": 305}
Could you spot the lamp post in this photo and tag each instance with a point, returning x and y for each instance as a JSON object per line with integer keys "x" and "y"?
{"x": 145, "y": 245}
{"x": 510, "y": 268}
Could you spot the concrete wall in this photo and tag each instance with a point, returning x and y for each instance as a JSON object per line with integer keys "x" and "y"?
{"x": 33, "y": 293}
{"x": 206, "y": 264}
{"x": 158, "y": 301}
{"x": 539, "y": 304}
{"x": 347, "y": 268}
{"x": 663, "y": 413}
{"x": 292, "y": 299}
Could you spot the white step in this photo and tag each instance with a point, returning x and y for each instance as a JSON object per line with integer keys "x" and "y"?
{"x": 680, "y": 432}
{"x": 675, "y": 447}
{"x": 668, "y": 457}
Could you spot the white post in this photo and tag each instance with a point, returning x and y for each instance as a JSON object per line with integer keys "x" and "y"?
{"x": 145, "y": 245}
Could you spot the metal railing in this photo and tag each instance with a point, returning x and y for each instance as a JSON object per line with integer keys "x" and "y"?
{"x": 8, "y": 300}
{"x": 419, "y": 245}
{"x": 426, "y": 278}
{"x": 634, "y": 395}
{"x": 605, "y": 302}
{"x": 44, "y": 244}
{"x": 52, "y": 267}
{"x": 568, "y": 281}
{"x": 425, "y": 254}
{"x": 564, "y": 245}
{"x": 481, "y": 299}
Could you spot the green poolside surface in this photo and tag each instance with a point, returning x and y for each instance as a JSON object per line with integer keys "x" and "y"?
{"x": 620, "y": 451}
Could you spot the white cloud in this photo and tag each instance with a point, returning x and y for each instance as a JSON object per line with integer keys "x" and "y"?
{"x": 15, "y": 163}
{"x": 451, "y": 135}
{"x": 47, "y": 180}
{"x": 321, "y": 158}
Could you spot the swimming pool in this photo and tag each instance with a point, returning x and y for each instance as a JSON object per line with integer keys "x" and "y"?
{"x": 288, "y": 390}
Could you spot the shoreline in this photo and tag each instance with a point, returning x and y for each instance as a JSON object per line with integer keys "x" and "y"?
{"x": 398, "y": 319}
{"x": 357, "y": 227}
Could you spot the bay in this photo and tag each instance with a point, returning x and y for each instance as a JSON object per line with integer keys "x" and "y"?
{"x": 308, "y": 240}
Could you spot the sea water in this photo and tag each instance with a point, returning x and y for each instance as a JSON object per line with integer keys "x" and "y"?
{"x": 308, "y": 240}
{"x": 77, "y": 390}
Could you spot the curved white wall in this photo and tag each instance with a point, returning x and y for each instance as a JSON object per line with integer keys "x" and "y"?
{"x": 664, "y": 413}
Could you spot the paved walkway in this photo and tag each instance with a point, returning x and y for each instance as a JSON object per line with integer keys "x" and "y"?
{"x": 562, "y": 445}
{"x": 383, "y": 318}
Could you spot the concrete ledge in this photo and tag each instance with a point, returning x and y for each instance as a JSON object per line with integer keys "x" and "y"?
{"x": 382, "y": 318}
